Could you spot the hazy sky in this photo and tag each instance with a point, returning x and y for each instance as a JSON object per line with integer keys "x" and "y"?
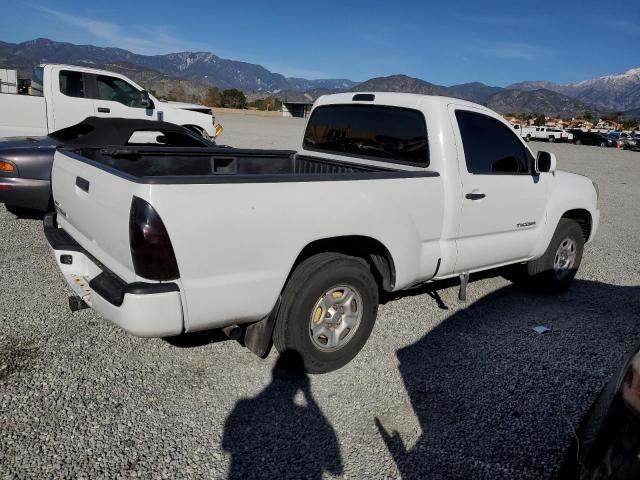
{"x": 444, "y": 42}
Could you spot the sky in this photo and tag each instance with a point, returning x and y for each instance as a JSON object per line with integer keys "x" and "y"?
{"x": 444, "y": 42}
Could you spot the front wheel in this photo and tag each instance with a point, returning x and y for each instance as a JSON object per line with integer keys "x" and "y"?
{"x": 552, "y": 139}
{"x": 554, "y": 271}
{"x": 328, "y": 310}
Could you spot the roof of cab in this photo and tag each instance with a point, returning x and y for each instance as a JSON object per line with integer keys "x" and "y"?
{"x": 399, "y": 99}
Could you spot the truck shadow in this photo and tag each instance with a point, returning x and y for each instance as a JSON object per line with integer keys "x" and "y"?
{"x": 25, "y": 213}
{"x": 493, "y": 398}
{"x": 197, "y": 339}
{"x": 281, "y": 432}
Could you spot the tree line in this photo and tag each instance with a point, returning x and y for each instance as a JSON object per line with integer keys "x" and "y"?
{"x": 228, "y": 98}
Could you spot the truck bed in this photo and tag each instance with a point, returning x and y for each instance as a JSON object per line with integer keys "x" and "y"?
{"x": 222, "y": 165}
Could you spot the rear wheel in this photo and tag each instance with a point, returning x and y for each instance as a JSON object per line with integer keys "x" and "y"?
{"x": 578, "y": 142}
{"x": 528, "y": 138}
{"x": 554, "y": 271}
{"x": 552, "y": 138}
{"x": 328, "y": 310}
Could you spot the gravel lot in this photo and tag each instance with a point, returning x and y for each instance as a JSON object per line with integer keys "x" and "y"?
{"x": 470, "y": 389}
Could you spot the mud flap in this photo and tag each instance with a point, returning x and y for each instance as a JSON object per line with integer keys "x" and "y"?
{"x": 258, "y": 336}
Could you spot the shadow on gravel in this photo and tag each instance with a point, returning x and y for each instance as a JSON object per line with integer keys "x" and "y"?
{"x": 197, "y": 339}
{"x": 25, "y": 213}
{"x": 281, "y": 432}
{"x": 493, "y": 398}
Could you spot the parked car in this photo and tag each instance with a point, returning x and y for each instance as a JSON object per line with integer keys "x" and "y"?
{"x": 632, "y": 142}
{"x": 25, "y": 163}
{"x": 69, "y": 94}
{"x": 389, "y": 190}
{"x": 608, "y": 442}
{"x": 545, "y": 133}
{"x": 618, "y": 139}
{"x": 589, "y": 138}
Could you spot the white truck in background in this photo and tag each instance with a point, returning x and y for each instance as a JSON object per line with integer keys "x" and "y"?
{"x": 64, "y": 95}
{"x": 8, "y": 81}
{"x": 388, "y": 190}
{"x": 549, "y": 134}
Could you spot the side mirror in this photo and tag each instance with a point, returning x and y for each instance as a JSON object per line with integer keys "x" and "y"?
{"x": 545, "y": 162}
{"x": 145, "y": 99}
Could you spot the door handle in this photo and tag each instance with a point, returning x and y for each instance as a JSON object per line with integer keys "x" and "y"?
{"x": 82, "y": 184}
{"x": 474, "y": 196}
{"x": 104, "y": 110}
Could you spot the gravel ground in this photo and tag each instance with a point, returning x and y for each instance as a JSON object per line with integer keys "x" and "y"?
{"x": 441, "y": 390}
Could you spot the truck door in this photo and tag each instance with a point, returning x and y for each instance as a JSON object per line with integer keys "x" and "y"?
{"x": 503, "y": 204}
{"x": 70, "y": 103}
{"x": 114, "y": 97}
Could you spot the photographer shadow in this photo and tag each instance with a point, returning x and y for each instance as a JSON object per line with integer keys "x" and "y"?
{"x": 493, "y": 398}
{"x": 281, "y": 432}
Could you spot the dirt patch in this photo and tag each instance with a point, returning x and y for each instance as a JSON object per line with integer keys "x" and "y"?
{"x": 15, "y": 357}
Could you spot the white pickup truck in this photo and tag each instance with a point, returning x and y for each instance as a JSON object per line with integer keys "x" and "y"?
{"x": 543, "y": 133}
{"x": 388, "y": 191}
{"x": 64, "y": 95}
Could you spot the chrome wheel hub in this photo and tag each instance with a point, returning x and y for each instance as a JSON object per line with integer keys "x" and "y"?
{"x": 565, "y": 258}
{"x": 335, "y": 318}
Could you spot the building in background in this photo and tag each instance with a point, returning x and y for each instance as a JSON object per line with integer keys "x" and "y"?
{"x": 300, "y": 109}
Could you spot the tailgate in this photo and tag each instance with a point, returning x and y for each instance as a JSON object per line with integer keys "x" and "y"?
{"x": 93, "y": 207}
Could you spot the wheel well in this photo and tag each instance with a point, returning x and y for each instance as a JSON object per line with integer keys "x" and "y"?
{"x": 194, "y": 128}
{"x": 367, "y": 248}
{"x": 581, "y": 217}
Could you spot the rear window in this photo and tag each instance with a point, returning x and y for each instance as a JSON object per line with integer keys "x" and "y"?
{"x": 369, "y": 131}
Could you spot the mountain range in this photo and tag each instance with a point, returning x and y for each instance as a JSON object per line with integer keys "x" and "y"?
{"x": 195, "y": 71}
{"x": 620, "y": 92}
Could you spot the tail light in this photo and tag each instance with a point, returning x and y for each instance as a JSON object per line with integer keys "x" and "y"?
{"x": 151, "y": 248}
{"x": 6, "y": 166}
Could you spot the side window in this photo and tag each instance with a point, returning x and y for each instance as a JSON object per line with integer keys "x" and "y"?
{"x": 72, "y": 84}
{"x": 489, "y": 146}
{"x": 117, "y": 90}
{"x": 377, "y": 132}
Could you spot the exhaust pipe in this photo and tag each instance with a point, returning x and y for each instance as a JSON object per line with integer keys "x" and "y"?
{"x": 234, "y": 332}
{"x": 76, "y": 303}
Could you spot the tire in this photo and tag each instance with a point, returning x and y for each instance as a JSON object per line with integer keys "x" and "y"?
{"x": 552, "y": 139}
{"x": 528, "y": 138}
{"x": 603, "y": 144}
{"x": 541, "y": 274}
{"x": 578, "y": 142}
{"x": 311, "y": 290}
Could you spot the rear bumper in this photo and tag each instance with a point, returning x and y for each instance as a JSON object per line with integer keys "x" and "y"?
{"x": 142, "y": 309}
{"x": 25, "y": 192}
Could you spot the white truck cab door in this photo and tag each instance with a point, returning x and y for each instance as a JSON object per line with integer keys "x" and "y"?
{"x": 503, "y": 204}
{"x": 70, "y": 101}
{"x": 115, "y": 97}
